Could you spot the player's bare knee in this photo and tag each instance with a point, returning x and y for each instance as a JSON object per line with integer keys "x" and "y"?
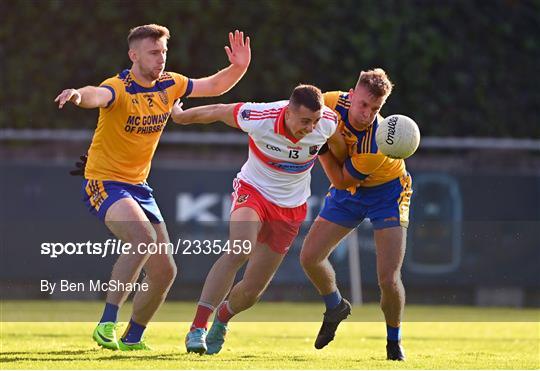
{"x": 164, "y": 276}
{"x": 168, "y": 273}
{"x": 306, "y": 260}
{"x": 309, "y": 259}
{"x": 388, "y": 282}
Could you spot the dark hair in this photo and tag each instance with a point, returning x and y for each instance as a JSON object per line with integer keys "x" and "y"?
{"x": 153, "y": 31}
{"x": 376, "y": 81}
{"x": 308, "y": 96}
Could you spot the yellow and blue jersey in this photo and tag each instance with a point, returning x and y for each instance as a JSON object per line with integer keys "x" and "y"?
{"x": 385, "y": 188}
{"x": 365, "y": 162}
{"x": 130, "y": 126}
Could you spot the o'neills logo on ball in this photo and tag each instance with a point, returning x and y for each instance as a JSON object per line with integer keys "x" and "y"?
{"x": 391, "y": 130}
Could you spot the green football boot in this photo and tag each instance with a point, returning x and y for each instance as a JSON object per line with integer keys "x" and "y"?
{"x": 141, "y": 345}
{"x": 105, "y": 335}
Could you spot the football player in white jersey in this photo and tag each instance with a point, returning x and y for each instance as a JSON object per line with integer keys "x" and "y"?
{"x": 269, "y": 199}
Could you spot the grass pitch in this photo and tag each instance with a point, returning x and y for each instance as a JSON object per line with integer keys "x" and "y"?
{"x": 280, "y": 345}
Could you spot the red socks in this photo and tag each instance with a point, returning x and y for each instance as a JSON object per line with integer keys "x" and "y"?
{"x": 224, "y": 312}
{"x": 204, "y": 311}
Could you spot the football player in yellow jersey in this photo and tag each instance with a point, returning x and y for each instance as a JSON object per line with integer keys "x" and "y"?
{"x": 134, "y": 108}
{"x": 368, "y": 184}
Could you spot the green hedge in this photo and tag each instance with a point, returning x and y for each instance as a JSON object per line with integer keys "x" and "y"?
{"x": 460, "y": 67}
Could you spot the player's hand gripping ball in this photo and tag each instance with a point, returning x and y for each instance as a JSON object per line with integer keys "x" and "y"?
{"x": 398, "y": 136}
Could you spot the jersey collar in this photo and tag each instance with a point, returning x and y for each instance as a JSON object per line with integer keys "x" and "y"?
{"x": 279, "y": 126}
{"x": 140, "y": 83}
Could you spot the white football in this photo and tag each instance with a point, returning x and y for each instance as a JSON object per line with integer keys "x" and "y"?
{"x": 398, "y": 136}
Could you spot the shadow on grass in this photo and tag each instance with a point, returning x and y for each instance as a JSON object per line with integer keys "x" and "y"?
{"x": 37, "y": 336}
{"x": 48, "y": 353}
{"x": 448, "y": 339}
{"x": 184, "y": 357}
{"x": 152, "y": 356}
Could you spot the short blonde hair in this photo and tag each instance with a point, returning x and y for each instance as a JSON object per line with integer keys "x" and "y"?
{"x": 153, "y": 31}
{"x": 376, "y": 81}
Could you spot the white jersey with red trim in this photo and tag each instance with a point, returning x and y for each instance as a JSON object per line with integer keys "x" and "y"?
{"x": 279, "y": 165}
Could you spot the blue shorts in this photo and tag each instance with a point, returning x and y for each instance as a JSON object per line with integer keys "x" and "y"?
{"x": 100, "y": 195}
{"x": 386, "y": 205}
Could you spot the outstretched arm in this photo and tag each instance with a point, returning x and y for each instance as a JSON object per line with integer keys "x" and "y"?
{"x": 204, "y": 114}
{"x": 87, "y": 97}
{"x": 239, "y": 54}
